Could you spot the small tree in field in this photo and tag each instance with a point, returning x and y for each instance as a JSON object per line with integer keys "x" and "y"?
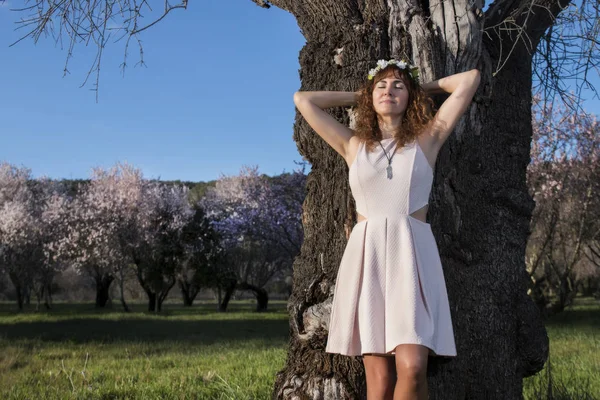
{"x": 202, "y": 257}
{"x": 260, "y": 220}
{"x": 52, "y": 207}
{"x": 96, "y": 225}
{"x": 158, "y": 251}
{"x": 19, "y": 234}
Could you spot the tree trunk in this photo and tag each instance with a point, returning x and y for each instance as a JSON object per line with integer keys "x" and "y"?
{"x": 38, "y": 295}
{"x": 163, "y": 293}
{"x": 262, "y": 296}
{"x": 151, "y": 300}
{"x": 229, "y": 291}
{"x": 102, "y": 287}
{"x": 48, "y": 295}
{"x": 19, "y": 292}
{"x": 262, "y": 300}
{"x": 27, "y": 294}
{"x": 122, "y": 288}
{"x": 122, "y": 294}
{"x": 20, "y": 288}
{"x": 188, "y": 292}
{"x": 156, "y": 289}
{"x": 188, "y": 301}
{"x": 480, "y": 207}
{"x": 42, "y": 292}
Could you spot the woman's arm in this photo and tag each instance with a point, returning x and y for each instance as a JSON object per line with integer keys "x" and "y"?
{"x": 326, "y": 99}
{"x": 312, "y": 104}
{"x": 462, "y": 88}
{"x": 449, "y": 83}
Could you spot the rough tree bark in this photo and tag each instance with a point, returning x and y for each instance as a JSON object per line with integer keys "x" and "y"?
{"x": 479, "y": 208}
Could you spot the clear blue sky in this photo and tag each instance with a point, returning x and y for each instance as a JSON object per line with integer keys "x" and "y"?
{"x": 216, "y": 94}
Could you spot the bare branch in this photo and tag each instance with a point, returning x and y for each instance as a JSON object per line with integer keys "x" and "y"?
{"x": 90, "y": 22}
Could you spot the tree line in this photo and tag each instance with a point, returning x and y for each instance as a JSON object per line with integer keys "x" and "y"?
{"x": 239, "y": 233}
{"x": 242, "y": 232}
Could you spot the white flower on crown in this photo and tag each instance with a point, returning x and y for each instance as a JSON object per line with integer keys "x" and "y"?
{"x": 381, "y": 64}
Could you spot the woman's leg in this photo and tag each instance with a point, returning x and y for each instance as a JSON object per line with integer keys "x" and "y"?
{"x": 411, "y": 367}
{"x": 381, "y": 376}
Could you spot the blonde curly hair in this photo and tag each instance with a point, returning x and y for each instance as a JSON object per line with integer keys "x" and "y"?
{"x": 419, "y": 112}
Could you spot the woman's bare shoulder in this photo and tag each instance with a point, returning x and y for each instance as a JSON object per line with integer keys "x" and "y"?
{"x": 353, "y": 145}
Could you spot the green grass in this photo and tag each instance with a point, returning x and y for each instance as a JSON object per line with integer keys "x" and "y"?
{"x": 574, "y": 355}
{"x": 77, "y": 352}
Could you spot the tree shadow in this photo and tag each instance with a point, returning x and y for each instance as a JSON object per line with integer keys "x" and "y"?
{"x": 576, "y": 318}
{"x": 206, "y": 332}
{"x": 199, "y": 325}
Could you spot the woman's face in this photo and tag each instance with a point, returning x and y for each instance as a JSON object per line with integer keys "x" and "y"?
{"x": 390, "y": 96}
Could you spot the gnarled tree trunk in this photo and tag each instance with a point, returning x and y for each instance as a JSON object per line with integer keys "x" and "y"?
{"x": 479, "y": 209}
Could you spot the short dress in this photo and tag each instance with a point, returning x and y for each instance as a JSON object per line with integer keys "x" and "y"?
{"x": 390, "y": 287}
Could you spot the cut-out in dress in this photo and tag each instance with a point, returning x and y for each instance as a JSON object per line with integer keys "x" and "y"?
{"x": 390, "y": 287}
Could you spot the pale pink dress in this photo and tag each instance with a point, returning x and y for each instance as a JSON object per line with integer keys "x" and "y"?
{"x": 390, "y": 287}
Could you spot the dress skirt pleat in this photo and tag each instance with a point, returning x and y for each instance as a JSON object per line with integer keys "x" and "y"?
{"x": 390, "y": 291}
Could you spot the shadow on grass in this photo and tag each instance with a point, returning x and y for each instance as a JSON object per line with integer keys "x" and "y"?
{"x": 82, "y": 330}
{"x": 8, "y": 309}
{"x": 588, "y": 318}
{"x": 82, "y": 323}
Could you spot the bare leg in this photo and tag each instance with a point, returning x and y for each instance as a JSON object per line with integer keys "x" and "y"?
{"x": 381, "y": 376}
{"x": 411, "y": 366}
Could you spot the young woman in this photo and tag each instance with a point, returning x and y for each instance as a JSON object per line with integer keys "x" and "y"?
{"x": 390, "y": 303}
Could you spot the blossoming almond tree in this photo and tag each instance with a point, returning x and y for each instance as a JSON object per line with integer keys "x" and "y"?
{"x": 20, "y": 251}
{"x": 203, "y": 257}
{"x": 52, "y": 207}
{"x": 120, "y": 220}
{"x": 32, "y": 231}
{"x": 563, "y": 177}
{"x": 260, "y": 220}
{"x": 157, "y": 248}
{"x": 95, "y": 227}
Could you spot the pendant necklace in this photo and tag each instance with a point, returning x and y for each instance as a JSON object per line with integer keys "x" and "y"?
{"x": 389, "y": 167}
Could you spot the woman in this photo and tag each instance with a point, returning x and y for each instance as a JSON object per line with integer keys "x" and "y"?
{"x": 390, "y": 303}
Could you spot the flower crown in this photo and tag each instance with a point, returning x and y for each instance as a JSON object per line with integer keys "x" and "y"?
{"x": 413, "y": 70}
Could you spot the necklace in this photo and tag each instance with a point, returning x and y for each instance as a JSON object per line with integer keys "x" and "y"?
{"x": 389, "y": 167}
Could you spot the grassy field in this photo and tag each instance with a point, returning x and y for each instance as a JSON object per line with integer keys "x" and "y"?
{"x": 77, "y": 352}
{"x": 574, "y": 355}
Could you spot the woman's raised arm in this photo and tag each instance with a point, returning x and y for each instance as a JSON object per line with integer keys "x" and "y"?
{"x": 312, "y": 104}
{"x": 462, "y": 87}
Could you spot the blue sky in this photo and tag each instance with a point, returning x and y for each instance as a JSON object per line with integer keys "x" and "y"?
{"x": 216, "y": 94}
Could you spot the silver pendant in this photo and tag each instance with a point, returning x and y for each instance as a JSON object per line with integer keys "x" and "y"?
{"x": 389, "y": 171}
